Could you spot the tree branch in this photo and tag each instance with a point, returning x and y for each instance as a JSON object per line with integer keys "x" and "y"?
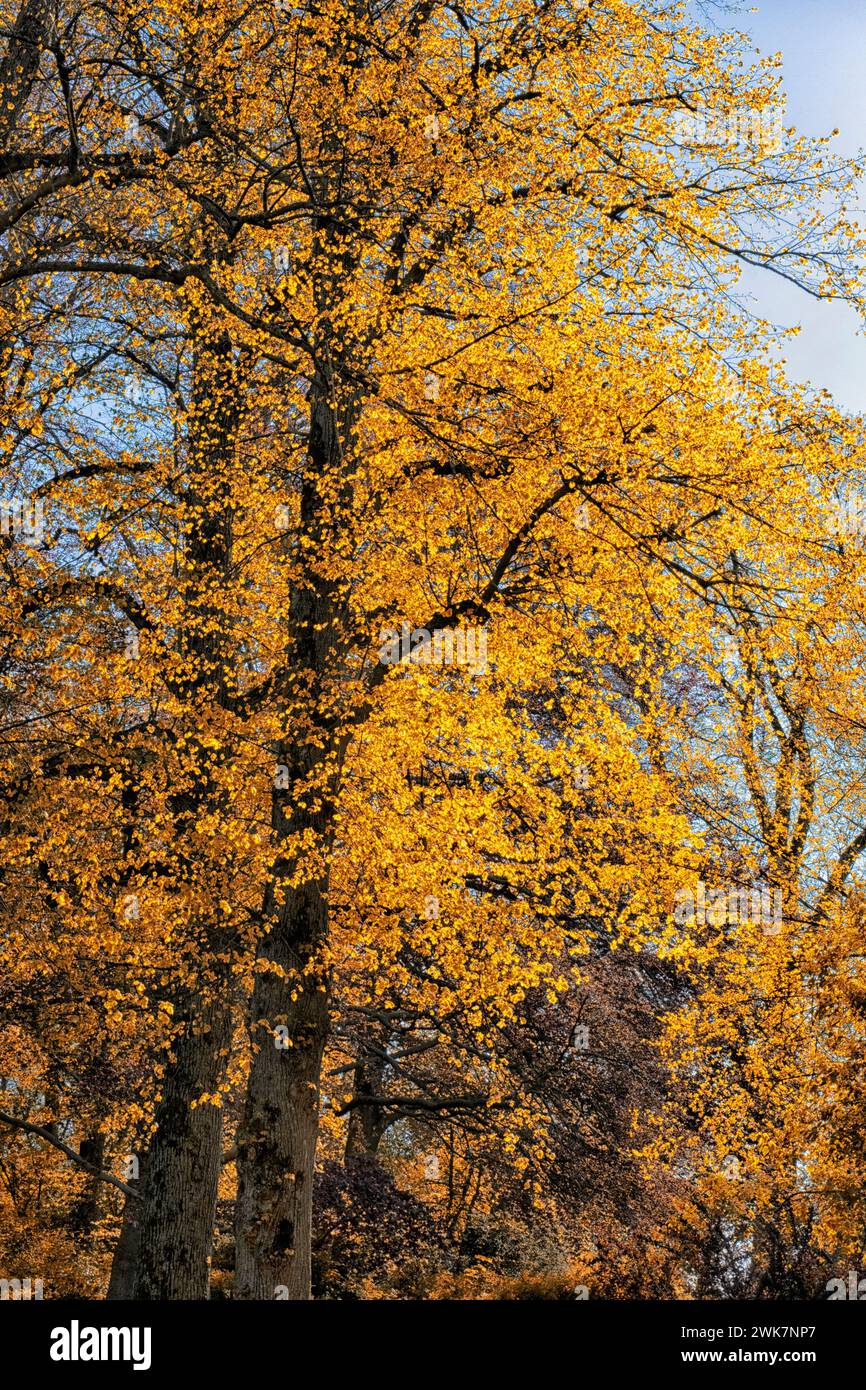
{"x": 84, "y": 1163}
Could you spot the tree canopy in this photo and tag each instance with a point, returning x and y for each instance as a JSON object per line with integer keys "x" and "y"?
{"x": 431, "y": 684}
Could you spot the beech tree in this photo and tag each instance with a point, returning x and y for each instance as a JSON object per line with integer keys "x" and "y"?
{"x": 372, "y": 375}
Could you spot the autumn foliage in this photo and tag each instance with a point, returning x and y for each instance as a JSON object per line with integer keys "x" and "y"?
{"x": 431, "y": 679}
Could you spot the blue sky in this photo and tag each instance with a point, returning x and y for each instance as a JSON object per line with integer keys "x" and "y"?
{"x": 823, "y": 43}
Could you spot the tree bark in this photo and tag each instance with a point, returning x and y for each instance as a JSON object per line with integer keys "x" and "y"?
{"x": 366, "y": 1124}
{"x": 279, "y": 1129}
{"x": 124, "y": 1264}
{"x": 92, "y": 1150}
{"x": 277, "y": 1141}
{"x": 181, "y": 1178}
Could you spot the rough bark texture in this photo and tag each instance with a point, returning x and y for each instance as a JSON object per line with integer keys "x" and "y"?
{"x": 278, "y": 1132}
{"x": 277, "y": 1146}
{"x": 86, "y": 1213}
{"x": 124, "y": 1264}
{"x": 366, "y": 1122}
{"x": 179, "y": 1191}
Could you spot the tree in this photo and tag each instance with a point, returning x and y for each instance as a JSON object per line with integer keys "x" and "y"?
{"x": 337, "y": 330}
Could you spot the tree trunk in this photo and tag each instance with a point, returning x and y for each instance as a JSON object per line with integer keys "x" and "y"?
{"x": 366, "y": 1125}
{"x": 180, "y": 1186}
{"x": 279, "y": 1130}
{"x": 181, "y": 1178}
{"x": 91, "y": 1148}
{"x": 124, "y": 1264}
